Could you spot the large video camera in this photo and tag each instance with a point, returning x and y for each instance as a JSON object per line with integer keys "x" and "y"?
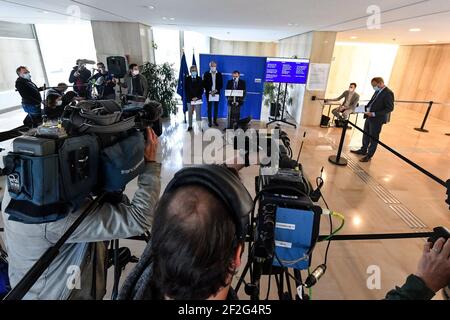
{"x": 95, "y": 148}
{"x": 286, "y": 228}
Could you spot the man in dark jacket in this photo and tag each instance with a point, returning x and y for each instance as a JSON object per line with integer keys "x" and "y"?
{"x": 104, "y": 83}
{"x": 235, "y": 103}
{"x": 213, "y": 84}
{"x": 79, "y": 76}
{"x": 194, "y": 95}
{"x": 31, "y": 98}
{"x": 433, "y": 274}
{"x": 378, "y": 112}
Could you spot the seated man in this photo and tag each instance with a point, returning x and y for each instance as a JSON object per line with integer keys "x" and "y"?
{"x": 351, "y": 99}
{"x": 197, "y": 241}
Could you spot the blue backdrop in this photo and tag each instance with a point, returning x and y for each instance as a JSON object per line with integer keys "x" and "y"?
{"x": 252, "y": 70}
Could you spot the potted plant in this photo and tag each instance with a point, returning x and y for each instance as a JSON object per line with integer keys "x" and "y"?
{"x": 161, "y": 86}
{"x": 272, "y": 92}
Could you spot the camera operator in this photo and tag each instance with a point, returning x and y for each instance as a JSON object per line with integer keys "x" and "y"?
{"x": 79, "y": 76}
{"x": 194, "y": 252}
{"x": 432, "y": 275}
{"x": 106, "y": 89}
{"x": 85, "y": 250}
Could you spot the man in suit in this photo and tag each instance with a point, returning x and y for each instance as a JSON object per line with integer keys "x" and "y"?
{"x": 194, "y": 93}
{"x": 213, "y": 83}
{"x": 377, "y": 113}
{"x": 235, "y": 103}
{"x": 351, "y": 99}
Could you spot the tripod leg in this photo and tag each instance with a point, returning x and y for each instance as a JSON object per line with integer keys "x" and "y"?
{"x": 288, "y": 284}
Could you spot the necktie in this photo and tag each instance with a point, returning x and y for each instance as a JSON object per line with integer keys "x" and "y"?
{"x": 235, "y": 85}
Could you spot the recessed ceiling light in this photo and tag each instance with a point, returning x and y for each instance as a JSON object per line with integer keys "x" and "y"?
{"x": 432, "y": 41}
{"x": 290, "y": 24}
{"x": 43, "y": 11}
{"x": 415, "y": 30}
{"x": 171, "y": 19}
{"x": 150, "y": 7}
{"x": 353, "y": 37}
{"x": 164, "y": 18}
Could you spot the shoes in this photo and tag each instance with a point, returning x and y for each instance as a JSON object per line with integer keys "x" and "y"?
{"x": 359, "y": 152}
{"x": 216, "y": 124}
{"x": 189, "y": 129}
{"x": 365, "y": 159}
{"x": 209, "y": 124}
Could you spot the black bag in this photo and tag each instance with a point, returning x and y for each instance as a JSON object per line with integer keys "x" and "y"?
{"x": 324, "y": 121}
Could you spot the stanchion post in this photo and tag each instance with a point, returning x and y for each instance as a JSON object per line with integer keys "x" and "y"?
{"x": 422, "y": 127}
{"x": 337, "y": 159}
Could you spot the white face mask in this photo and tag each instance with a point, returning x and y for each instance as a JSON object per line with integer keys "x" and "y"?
{"x": 26, "y": 76}
{"x": 135, "y": 72}
{"x": 213, "y": 69}
{"x": 59, "y": 103}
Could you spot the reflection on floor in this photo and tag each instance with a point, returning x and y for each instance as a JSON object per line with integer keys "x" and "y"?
{"x": 383, "y": 196}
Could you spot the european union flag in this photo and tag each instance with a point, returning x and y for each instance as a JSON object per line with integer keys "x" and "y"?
{"x": 184, "y": 72}
{"x": 194, "y": 62}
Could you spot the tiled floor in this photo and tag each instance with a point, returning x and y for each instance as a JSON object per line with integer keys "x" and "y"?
{"x": 357, "y": 191}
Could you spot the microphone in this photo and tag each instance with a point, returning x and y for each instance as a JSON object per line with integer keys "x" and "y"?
{"x": 315, "y": 276}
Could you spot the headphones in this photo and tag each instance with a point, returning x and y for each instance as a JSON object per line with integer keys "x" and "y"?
{"x": 225, "y": 185}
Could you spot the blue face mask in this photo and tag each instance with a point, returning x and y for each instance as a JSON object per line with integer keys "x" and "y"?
{"x": 376, "y": 89}
{"x": 194, "y": 74}
{"x": 26, "y": 76}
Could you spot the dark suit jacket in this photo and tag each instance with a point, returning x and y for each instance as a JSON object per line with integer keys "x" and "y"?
{"x": 241, "y": 86}
{"x": 207, "y": 82}
{"x": 194, "y": 88}
{"x": 382, "y": 104}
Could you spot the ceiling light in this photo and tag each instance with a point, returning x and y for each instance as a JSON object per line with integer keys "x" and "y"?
{"x": 415, "y": 30}
{"x": 290, "y": 24}
{"x": 164, "y": 18}
{"x": 353, "y": 37}
{"x": 150, "y": 7}
{"x": 43, "y": 11}
{"x": 432, "y": 41}
{"x": 171, "y": 19}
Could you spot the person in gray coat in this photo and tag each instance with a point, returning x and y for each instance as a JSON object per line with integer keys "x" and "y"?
{"x": 351, "y": 99}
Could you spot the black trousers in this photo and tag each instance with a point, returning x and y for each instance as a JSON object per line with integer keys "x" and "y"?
{"x": 211, "y": 105}
{"x": 372, "y": 126}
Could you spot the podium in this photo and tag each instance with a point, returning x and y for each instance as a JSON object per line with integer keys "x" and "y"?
{"x": 234, "y": 107}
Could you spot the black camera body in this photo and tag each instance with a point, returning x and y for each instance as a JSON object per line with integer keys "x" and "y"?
{"x": 288, "y": 189}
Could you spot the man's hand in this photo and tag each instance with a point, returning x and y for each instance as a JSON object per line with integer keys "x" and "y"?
{"x": 434, "y": 266}
{"x": 342, "y": 109}
{"x": 194, "y": 99}
{"x": 151, "y": 146}
{"x": 369, "y": 114}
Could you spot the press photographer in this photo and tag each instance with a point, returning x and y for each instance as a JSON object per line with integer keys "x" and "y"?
{"x": 31, "y": 229}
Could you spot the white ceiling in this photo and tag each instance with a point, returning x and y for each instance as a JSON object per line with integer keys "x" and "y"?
{"x": 254, "y": 20}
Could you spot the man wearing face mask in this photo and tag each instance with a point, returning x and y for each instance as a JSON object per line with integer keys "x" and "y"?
{"x": 194, "y": 93}
{"x": 235, "y": 103}
{"x": 213, "y": 84}
{"x": 351, "y": 99}
{"x": 378, "y": 112}
{"x": 135, "y": 82}
{"x": 79, "y": 76}
{"x": 104, "y": 83}
{"x": 31, "y": 98}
